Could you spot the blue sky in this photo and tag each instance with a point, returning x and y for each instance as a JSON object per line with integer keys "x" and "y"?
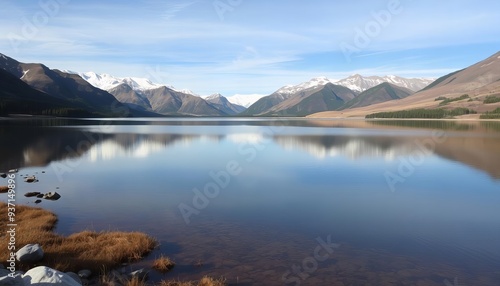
{"x": 250, "y": 46}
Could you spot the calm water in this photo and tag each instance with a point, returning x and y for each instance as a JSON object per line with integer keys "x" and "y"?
{"x": 271, "y": 202}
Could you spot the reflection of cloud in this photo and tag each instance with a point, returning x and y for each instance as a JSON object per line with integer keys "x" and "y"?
{"x": 245, "y": 138}
{"x": 352, "y": 148}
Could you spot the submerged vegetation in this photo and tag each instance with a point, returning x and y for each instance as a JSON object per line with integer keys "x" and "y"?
{"x": 423, "y": 113}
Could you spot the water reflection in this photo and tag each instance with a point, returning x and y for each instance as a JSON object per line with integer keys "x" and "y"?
{"x": 307, "y": 179}
{"x": 28, "y": 146}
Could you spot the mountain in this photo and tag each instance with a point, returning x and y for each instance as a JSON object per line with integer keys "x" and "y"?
{"x": 359, "y": 83}
{"x": 17, "y": 97}
{"x": 265, "y": 104}
{"x": 245, "y": 100}
{"x": 380, "y": 93}
{"x": 222, "y": 103}
{"x": 66, "y": 91}
{"x": 165, "y": 101}
{"x": 143, "y": 95}
{"x": 477, "y": 81}
{"x": 318, "y": 94}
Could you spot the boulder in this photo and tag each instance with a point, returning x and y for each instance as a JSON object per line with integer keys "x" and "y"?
{"x": 3, "y": 175}
{"x": 40, "y": 196}
{"x": 30, "y": 253}
{"x": 45, "y": 276}
{"x": 31, "y": 194}
{"x": 53, "y": 196}
{"x": 4, "y": 189}
{"x": 85, "y": 273}
{"x": 38, "y": 201}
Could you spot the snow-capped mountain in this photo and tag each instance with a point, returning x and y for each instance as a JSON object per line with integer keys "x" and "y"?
{"x": 292, "y": 89}
{"x": 360, "y": 83}
{"x": 108, "y": 82}
{"x": 245, "y": 100}
{"x": 223, "y": 104}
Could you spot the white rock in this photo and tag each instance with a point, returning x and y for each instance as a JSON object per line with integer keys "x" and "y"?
{"x": 45, "y": 276}
{"x": 30, "y": 253}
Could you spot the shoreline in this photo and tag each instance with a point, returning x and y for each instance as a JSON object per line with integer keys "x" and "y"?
{"x": 100, "y": 253}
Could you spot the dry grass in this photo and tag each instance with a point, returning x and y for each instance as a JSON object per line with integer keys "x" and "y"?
{"x": 84, "y": 250}
{"x": 163, "y": 264}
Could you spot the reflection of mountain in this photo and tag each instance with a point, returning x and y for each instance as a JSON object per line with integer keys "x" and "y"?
{"x": 37, "y": 146}
{"x": 25, "y": 146}
{"x": 480, "y": 152}
{"x": 351, "y": 147}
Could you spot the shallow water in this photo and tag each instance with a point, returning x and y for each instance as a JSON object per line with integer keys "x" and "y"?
{"x": 257, "y": 200}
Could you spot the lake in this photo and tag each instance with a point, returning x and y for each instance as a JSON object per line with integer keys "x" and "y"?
{"x": 278, "y": 201}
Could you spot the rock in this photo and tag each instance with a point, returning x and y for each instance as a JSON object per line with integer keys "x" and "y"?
{"x": 3, "y": 175}
{"x": 4, "y": 189}
{"x": 43, "y": 275}
{"x": 13, "y": 170}
{"x": 30, "y": 179}
{"x": 85, "y": 273}
{"x": 38, "y": 201}
{"x": 53, "y": 196}
{"x": 30, "y": 253}
{"x": 40, "y": 196}
{"x": 31, "y": 194}
{"x": 142, "y": 274}
{"x": 75, "y": 277}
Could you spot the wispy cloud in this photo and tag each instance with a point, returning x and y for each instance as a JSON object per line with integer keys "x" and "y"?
{"x": 261, "y": 46}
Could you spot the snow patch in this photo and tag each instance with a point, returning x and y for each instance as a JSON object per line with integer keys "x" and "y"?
{"x": 315, "y": 82}
{"x": 245, "y": 100}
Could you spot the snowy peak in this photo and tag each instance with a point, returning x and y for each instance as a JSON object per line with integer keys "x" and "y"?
{"x": 245, "y": 100}
{"x": 315, "y": 82}
{"x": 213, "y": 97}
{"x": 360, "y": 83}
{"x": 107, "y": 82}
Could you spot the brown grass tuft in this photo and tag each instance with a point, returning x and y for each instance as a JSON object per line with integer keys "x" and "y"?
{"x": 84, "y": 250}
{"x": 163, "y": 264}
{"x": 205, "y": 281}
